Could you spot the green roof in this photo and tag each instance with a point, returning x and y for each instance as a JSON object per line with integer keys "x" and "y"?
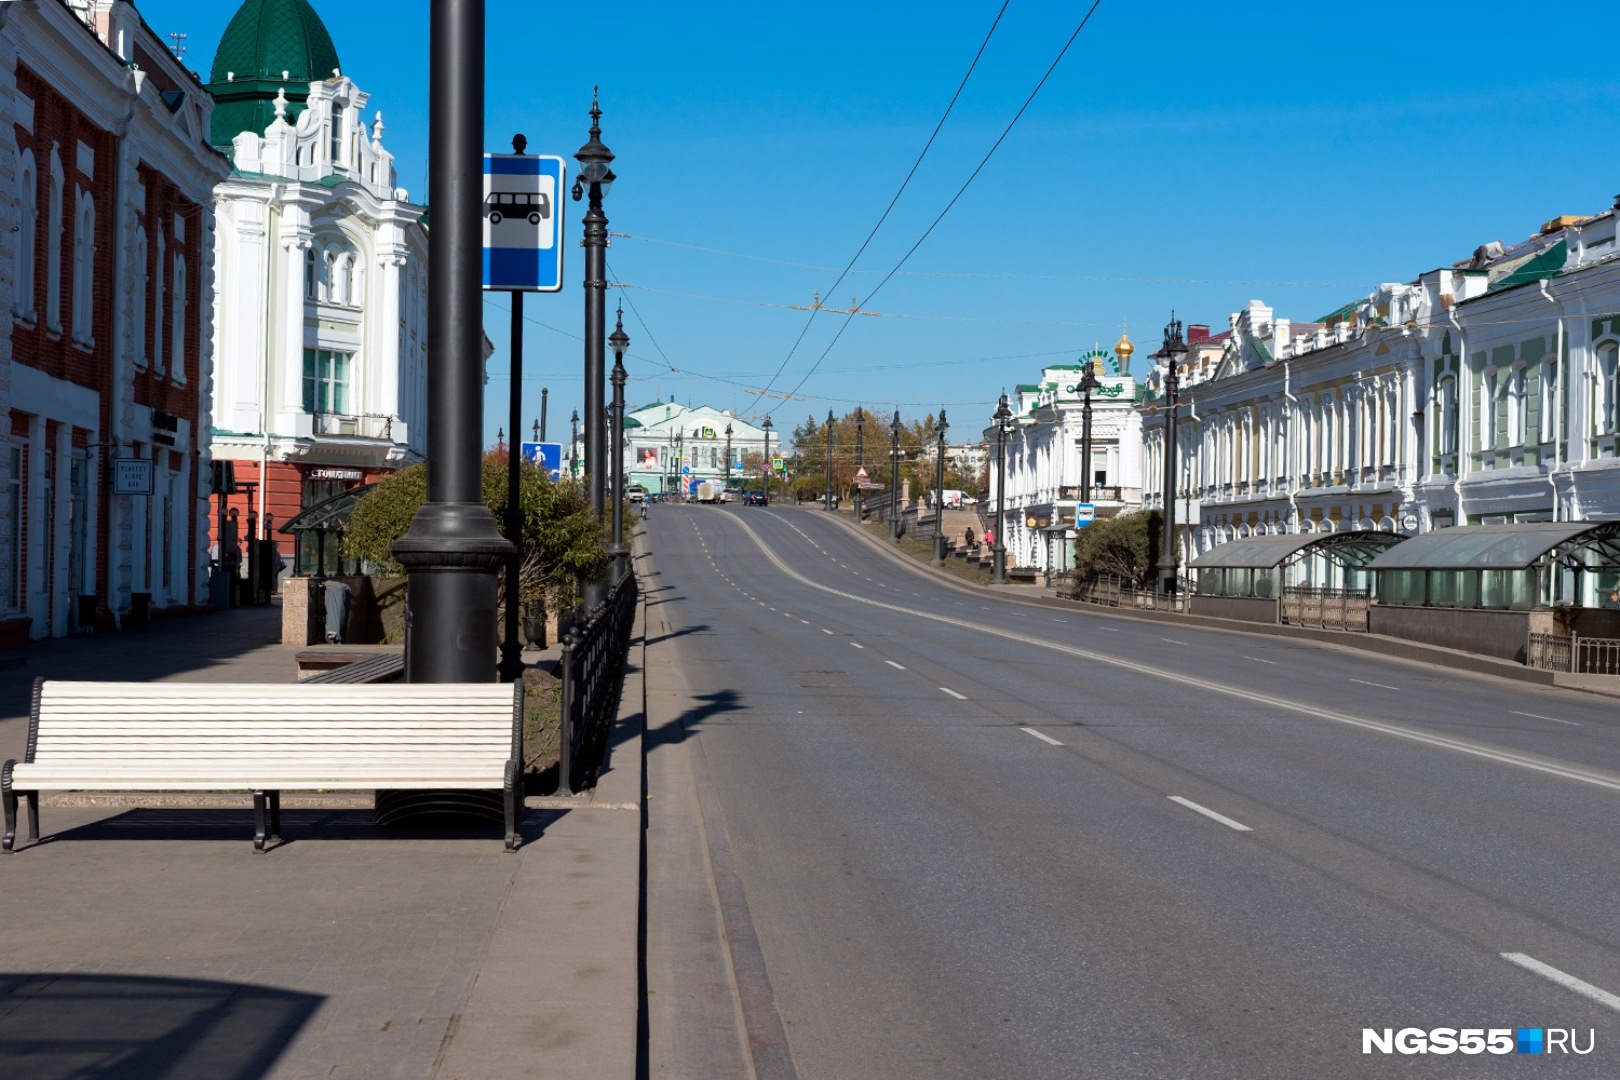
{"x": 1549, "y": 263}
{"x": 1026, "y": 388}
{"x": 264, "y": 39}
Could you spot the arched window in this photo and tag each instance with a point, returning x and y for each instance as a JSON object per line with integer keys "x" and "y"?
{"x": 337, "y": 134}
{"x": 1448, "y": 414}
{"x": 28, "y": 196}
{"x": 141, "y": 277}
{"x": 84, "y": 263}
{"x": 355, "y": 272}
{"x": 342, "y": 269}
{"x": 177, "y": 325}
{"x": 328, "y": 293}
{"x": 1604, "y": 389}
{"x": 158, "y": 308}
{"x": 54, "y": 235}
{"x": 309, "y": 274}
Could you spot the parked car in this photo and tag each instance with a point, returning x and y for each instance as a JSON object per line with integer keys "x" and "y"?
{"x": 756, "y": 498}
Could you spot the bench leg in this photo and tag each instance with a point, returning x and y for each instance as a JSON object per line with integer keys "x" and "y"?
{"x": 258, "y": 821}
{"x": 33, "y": 816}
{"x": 514, "y": 806}
{"x": 9, "y": 798}
{"x": 275, "y": 817}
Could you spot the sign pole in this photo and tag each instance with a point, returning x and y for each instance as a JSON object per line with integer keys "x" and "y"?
{"x": 511, "y": 666}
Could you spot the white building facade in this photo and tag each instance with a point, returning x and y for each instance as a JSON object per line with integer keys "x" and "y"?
{"x": 1481, "y": 393}
{"x": 1044, "y": 456}
{"x": 671, "y": 448}
{"x": 321, "y": 319}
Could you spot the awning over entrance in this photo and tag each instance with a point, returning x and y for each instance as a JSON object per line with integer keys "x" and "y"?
{"x": 1506, "y": 547}
{"x": 1354, "y": 548}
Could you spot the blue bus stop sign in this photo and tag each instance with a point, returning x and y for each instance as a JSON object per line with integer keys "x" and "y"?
{"x": 523, "y": 222}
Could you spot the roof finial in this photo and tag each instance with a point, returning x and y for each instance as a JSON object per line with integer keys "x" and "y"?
{"x": 281, "y": 104}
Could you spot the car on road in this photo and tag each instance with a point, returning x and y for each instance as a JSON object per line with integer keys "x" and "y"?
{"x": 756, "y": 498}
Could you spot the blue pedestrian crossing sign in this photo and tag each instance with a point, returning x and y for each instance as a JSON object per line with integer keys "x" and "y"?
{"x": 523, "y": 222}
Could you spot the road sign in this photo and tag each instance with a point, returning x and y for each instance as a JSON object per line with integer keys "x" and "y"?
{"x": 523, "y": 222}
{"x": 1084, "y": 514}
{"x": 860, "y": 475}
{"x": 547, "y": 455}
{"x": 778, "y": 464}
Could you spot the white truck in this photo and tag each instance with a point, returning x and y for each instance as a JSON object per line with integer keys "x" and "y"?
{"x": 708, "y": 491}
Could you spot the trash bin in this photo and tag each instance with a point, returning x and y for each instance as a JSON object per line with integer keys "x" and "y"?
{"x": 336, "y": 601}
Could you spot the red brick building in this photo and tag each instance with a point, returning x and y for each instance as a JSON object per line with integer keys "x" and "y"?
{"x": 106, "y": 304}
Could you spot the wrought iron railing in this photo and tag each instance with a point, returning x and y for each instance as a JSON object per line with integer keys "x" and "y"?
{"x": 1574, "y": 653}
{"x": 364, "y": 426}
{"x": 593, "y": 659}
{"x": 1328, "y": 609}
{"x": 1111, "y": 590}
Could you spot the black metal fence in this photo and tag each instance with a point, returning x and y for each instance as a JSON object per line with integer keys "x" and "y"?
{"x": 593, "y": 659}
{"x": 1111, "y": 590}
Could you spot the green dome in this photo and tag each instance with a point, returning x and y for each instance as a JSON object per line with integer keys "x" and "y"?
{"x": 264, "y": 39}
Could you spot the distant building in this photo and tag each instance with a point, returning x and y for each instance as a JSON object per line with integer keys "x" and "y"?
{"x": 106, "y": 300}
{"x": 1044, "y": 477}
{"x": 320, "y": 326}
{"x": 672, "y": 448}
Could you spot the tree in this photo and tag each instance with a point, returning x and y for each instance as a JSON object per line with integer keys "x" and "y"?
{"x": 562, "y": 543}
{"x": 1126, "y": 546}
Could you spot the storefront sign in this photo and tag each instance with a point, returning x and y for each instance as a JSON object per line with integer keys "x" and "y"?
{"x": 132, "y": 476}
{"x": 336, "y": 474}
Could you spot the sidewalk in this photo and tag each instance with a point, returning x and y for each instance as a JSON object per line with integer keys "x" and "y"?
{"x": 146, "y": 938}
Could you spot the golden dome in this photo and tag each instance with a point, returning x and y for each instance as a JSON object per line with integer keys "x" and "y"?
{"x": 1123, "y": 347}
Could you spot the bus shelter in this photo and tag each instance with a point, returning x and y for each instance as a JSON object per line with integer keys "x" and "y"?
{"x": 1265, "y": 578}
{"x": 1497, "y": 589}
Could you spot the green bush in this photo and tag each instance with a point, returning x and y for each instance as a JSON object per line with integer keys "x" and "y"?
{"x": 562, "y": 543}
{"x": 1127, "y": 546}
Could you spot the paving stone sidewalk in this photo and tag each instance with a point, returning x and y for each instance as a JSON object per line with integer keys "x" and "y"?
{"x": 150, "y": 940}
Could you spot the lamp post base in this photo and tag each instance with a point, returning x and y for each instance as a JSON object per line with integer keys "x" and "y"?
{"x": 939, "y": 551}
{"x": 998, "y": 565}
{"x": 453, "y": 556}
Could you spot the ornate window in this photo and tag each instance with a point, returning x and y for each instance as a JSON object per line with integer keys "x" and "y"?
{"x": 158, "y": 307}
{"x": 28, "y": 192}
{"x": 84, "y": 263}
{"x": 138, "y": 330}
{"x": 1605, "y": 392}
{"x": 310, "y": 285}
{"x": 326, "y": 381}
{"x": 177, "y": 326}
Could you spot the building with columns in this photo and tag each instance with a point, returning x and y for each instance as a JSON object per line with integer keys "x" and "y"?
{"x": 671, "y": 448}
{"x": 1045, "y": 468}
{"x": 1481, "y": 393}
{"x": 106, "y": 305}
{"x": 320, "y": 329}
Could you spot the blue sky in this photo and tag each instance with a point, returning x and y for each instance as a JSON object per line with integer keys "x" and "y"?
{"x": 1183, "y": 155}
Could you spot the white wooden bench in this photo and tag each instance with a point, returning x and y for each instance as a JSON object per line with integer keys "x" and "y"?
{"x": 266, "y": 739}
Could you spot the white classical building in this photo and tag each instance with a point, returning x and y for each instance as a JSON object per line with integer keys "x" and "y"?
{"x": 321, "y": 321}
{"x": 1480, "y": 393}
{"x": 671, "y": 448}
{"x": 106, "y": 293}
{"x": 1044, "y": 452}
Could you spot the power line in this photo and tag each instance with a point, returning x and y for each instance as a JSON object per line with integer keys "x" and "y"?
{"x": 885, "y": 216}
{"x": 977, "y": 169}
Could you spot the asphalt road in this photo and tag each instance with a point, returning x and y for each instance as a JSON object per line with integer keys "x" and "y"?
{"x": 974, "y": 837}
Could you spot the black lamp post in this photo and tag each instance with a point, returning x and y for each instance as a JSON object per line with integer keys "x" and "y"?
{"x": 618, "y": 341}
{"x": 573, "y": 446}
{"x": 767, "y": 469}
{"x": 860, "y": 422}
{"x": 596, "y": 177}
{"x": 998, "y": 550}
{"x": 939, "y": 490}
{"x": 452, "y": 551}
{"x": 728, "y": 454}
{"x": 826, "y": 496}
{"x": 537, "y": 429}
{"x": 680, "y": 462}
{"x": 1088, "y": 383}
{"x": 894, "y": 477}
{"x": 540, "y": 424}
{"x": 1174, "y": 349}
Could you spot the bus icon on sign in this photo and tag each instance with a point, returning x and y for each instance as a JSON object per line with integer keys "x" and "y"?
{"x": 517, "y": 205}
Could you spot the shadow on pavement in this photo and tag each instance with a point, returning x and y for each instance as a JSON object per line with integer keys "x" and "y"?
{"x": 70, "y": 1026}
{"x": 236, "y": 826}
{"x": 677, "y": 729}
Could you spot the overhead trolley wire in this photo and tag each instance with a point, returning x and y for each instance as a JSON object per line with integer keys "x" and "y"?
{"x": 977, "y": 169}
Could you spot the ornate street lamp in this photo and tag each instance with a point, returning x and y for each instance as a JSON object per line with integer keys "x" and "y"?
{"x": 728, "y": 454}
{"x": 1088, "y": 383}
{"x": 826, "y": 496}
{"x": 939, "y": 490}
{"x": 998, "y": 550}
{"x": 860, "y": 422}
{"x": 767, "y": 468}
{"x": 894, "y": 477}
{"x": 595, "y": 176}
{"x": 573, "y": 446}
{"x": 618, "y": 341}
{"x": 1174, "y": 349}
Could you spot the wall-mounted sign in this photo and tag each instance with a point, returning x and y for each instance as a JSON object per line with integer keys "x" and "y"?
{"x": 132, "y": 476}
{"x": 336, "y": 474}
